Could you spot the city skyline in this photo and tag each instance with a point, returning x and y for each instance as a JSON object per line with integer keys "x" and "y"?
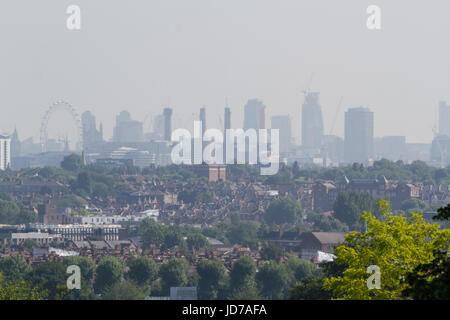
{"x": 211, "y": 52}
{"x": 155, "y": 122}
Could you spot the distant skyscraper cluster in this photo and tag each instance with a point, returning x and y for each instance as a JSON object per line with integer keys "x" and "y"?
{"x": 129, "y": 140}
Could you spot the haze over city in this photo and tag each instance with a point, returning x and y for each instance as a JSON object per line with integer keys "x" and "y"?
{"x": 199, "y": 53}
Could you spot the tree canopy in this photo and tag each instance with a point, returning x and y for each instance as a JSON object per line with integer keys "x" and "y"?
{"x": 395, "y": 244}
{"x": 283, "y": 210}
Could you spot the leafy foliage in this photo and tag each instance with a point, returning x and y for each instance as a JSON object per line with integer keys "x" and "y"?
{"x": 72, "y": 162}
{"x": 109, "y": 272}
{"x": 431, "y": 281}
{"x": 14, "y": 267}
{"x": 283, "y": 210}
{"x": 142, "y": 270}
{"x": 211, "y": 279}
{"x": 273, "y": 279}
{"x": 124, "y": 290}
{"x": 174, "y": 274}
{"x": 350, "y": 205}
{"x": 310, "y": 288}
{"x": 396, "y": 245}
{"x": 19, "y": 290}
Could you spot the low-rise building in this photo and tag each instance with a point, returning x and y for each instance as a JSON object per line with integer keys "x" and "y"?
{"x": 313, "y": 242}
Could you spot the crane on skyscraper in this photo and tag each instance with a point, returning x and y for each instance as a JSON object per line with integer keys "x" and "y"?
{"x": 336, "y": 115}
{"x": 327, "y": 143}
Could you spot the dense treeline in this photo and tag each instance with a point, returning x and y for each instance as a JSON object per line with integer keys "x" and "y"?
{"x": 138, "y": 277}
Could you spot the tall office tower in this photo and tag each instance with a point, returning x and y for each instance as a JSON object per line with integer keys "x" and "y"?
{"x": 283, "y": 124}
{"x": 358, "y": 140}
{"x": 127, "y": 130}
{"x": 312, "y": 122}
{"x": 254, "y": 115}
{"x": 91, "y": 135}
{"x": 158, "y": 126}
{"x": 123, "y": 117}
{"x": 440, "y": 151}
{"x": 203, "y": 119}
{"x": 167, "y": 113}
{"x": 444, "y": 118}
{"x": 227, "y": 119}
{"x": 15, "y": 145}
{"x": 5, "y": 152}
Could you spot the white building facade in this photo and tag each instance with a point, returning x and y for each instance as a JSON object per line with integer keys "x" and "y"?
{"x": 5, "y": 152}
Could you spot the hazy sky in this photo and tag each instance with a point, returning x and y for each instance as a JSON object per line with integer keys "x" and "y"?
{"x": 140, "y": 54}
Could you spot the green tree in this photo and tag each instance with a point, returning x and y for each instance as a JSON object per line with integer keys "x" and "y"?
{"x": 86, "y": 264}
{"x": 197, "y": 241}
{"x": 151, "y": 232}
{"x": 142, "y": 270}
{"x": 51, "y": 277}
{"x": 72, "y": 162}
{"x": 195, "y": 196}
{"x": 283, "y": 177}
{"x": 14, "y": 267}
{"x": 172, "y": 237}
{"x": 273, "y": 279}
{"x": 395, "y": 244}
{"x": 242, "y": 269}
{"x": 271, "y": 252}
{"x": 100, "y": 190}
{"x": 109, "y": 272}
{"x": 5, "y": 196}
{"x": 415, "y": 205}
{"x": 8, "y": 212}
{"x": 242, "y": 280}
{"x": 246, "y": 234}
{"x": 26, "y": 216}
{"x": 310, "y": 288}
{"x": 84, "y": 182}
{"x": 443, "y": 213}
{"x": 350, "y": 205}
{"x": 327, "y": 224}
{"x": 283, "y": 210}
{"x": 211, "y": 279}
{"x": 124, "y": 290}
{"x": 301, "y": 268}
{"x": 174, "y": 274}
{"x": 19, "y": 290}
{"x": 431, "y": 281}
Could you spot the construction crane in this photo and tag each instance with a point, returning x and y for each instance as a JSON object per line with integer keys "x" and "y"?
{"x": 308, "y": 85}
{"x": 335, "y": 116}
{"x": 333, "y": 124}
